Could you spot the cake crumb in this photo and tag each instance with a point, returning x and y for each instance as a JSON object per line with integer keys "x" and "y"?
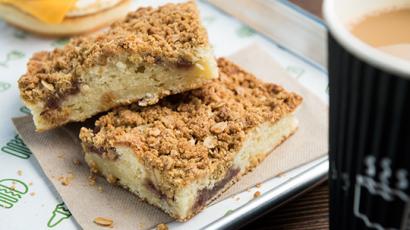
{"x": 61, "y": 156}
{"x": 256, "y": 194}
{"x": 93, "y": 167}
{"x": 66, "y": 180}
{"x": 105, "y": 222}
{"x": 281, "y": 174}
{"x": 111, "y": 179}
{"x": 32, "y": 194}
{"x": 30, "y": 183}
{"x": 92, "y": 179}
{"x": 77, "y": 162}
{"x": 258, "y": 185}
{"x": 162, "y": 227}
{"x": 19, "y": 172}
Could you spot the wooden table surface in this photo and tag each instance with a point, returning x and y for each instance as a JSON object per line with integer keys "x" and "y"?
{"x": 307, "y": 212}
{"x": 313, "y": 6}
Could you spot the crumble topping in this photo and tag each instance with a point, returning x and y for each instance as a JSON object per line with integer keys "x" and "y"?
{"x": 169, "y": 34}
{"x": 195, "y": 133}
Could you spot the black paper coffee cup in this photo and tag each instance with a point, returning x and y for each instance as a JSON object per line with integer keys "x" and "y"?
{"x": 369, "y": 135}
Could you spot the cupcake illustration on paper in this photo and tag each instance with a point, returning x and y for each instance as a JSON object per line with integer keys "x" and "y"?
{"x": 382, "y": 191}
{"x": 11, "y": 191}
{"x": 59, "y": 214}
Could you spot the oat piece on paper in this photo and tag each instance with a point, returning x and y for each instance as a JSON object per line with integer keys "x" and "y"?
{"x": 183, "y": 152}
{"x": 152, "y": 53}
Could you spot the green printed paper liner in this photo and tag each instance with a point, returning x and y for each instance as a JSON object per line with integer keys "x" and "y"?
{"x": 11, "y": 191}
{"x": 56, "y": 150}
{"x": 59, "y": 214}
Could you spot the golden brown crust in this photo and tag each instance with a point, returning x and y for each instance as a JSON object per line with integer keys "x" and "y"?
{"x": 170, "y": 34}
{"x": 196, "y": 133}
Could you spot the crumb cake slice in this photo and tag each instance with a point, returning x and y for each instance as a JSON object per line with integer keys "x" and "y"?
{"x": 181, "y": 153}
{"x": 152, "y": 53}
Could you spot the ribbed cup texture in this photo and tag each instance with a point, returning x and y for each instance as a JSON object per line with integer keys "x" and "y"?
{"x": 369, "y": 144}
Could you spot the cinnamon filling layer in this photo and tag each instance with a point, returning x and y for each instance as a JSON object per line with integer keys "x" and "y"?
{"x": 184, "y": 64}
{"x": 151, "y": 187}
{"x": 110, "y": 153}
{"x": 206, "y": 194}
{"x": 54, "y": 101}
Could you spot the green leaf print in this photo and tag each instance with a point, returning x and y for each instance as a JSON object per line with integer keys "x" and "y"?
{"x": 208, "y": 20}
{"x": 245, "y": 31}
{"x": 228, "y": 212}
{"x": 15, "y": 55}
{"x": 60, "y": 42}
{"x": 4, "y": 86}
{"x": 20, "y": 34}
{"x": 295, "y": 71}
{"x": 25, "y": 110}
{"x": 12, "y": 56}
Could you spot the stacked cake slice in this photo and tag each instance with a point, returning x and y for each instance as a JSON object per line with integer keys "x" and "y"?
{"x": 152, "y": 53}
{"x": 183, "y": 152}
{"x": 214, "y": 123}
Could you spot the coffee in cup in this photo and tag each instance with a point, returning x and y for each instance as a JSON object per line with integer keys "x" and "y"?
{"x": 388, "y": 30}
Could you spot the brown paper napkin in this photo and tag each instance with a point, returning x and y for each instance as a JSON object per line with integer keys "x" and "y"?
{"x": 58, "y": 150}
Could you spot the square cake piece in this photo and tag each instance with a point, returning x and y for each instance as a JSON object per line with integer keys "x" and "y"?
{"x": 183, "y": 152}
{"x": 152, "y": 53}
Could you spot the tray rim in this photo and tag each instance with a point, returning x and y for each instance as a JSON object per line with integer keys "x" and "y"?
{"x": 275, "y": 197}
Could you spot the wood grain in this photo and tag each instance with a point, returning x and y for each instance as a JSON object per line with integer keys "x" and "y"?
{"x": 313, "y": 6}
{"x": 307, "y": 212}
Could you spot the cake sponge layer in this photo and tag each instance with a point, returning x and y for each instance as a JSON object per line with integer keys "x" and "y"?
{"x": 118, "y": 83}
